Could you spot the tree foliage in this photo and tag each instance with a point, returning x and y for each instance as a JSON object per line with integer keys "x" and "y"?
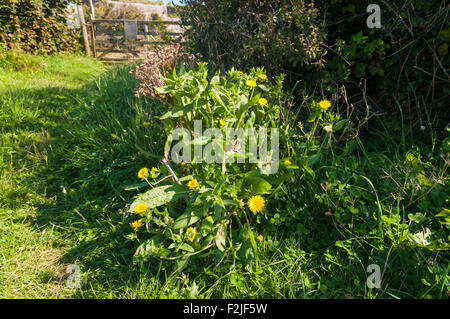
{"x": 36, "y": 26}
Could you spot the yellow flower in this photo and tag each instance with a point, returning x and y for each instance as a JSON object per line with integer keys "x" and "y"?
{"x": 204, "y": 63}
{"x": 262, "y": 101}
{"x": 256, "y": 204}
{"x": 260, "y": 238}
{"x": 193, "y": 183}
{"x": 240, "y": 72}
{"x": 136, "y": 224}
{"x": 183, "y": 164}
{"x": 143, "y": 173}
{"x": 140, "y": 208}
{"x": 324, "y": 104}
{"x": 222, "y": 122}
{"x": 192, "y": 232}
{"x": 287, "y": 162}
{"x": 251, "y": 83}
{"x": 262, "y": 76}
{"x": 146, "y": 123}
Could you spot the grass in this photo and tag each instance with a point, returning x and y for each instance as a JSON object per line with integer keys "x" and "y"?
{"x": 71, "y": 130}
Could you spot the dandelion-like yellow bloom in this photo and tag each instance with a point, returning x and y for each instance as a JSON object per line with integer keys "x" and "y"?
{"x": 183, "y": 164}
{"x": 240, "y": 72}
{"x": 143, "y": 173}
{"x": 250, "y": 83}
{"x": 262, "y": 76}
{"x": 256, "y": 204}
{"x": 140, "y": 208}
{"x": 191, "y": 232}
{"x": 136, "y": 224}
{"x": 146, "y": 123}
{"x": 193, "y": 183}
{"x": 287, "y": 162}
{"x": 324, "y": 104}
{"x": 262, "y": 101}
{"x": 204, "y": 63}
{"x": 222, "y": 122}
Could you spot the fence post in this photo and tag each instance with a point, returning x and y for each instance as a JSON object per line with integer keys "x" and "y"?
{"x": 94, "y": 48}
{"x": 83, "y": 29}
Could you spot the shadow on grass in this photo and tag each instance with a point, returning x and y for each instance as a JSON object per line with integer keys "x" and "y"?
{"x": 81, "y": 165}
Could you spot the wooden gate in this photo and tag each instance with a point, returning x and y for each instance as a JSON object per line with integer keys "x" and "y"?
{"x": 124, "y": 40}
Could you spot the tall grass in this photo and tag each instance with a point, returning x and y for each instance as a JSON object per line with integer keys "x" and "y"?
{"x": 72, "y": 136}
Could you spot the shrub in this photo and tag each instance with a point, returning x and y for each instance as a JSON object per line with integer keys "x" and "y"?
{"x": 407, "y": 57}
{"x": 219, "y": 203}
{"x": 13, "y": 60}
{"x": 36, "y": 26}
{"x": 278, "y": 35}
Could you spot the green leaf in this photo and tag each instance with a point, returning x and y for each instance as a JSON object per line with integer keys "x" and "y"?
{"x": 162, "y": 90}
{"x": 328, "y": 128}
{"x": 135, "y": 186}
{"x": 178, "y": 111}
{"x": 160, "y": 195}
{"x": 246, "y": 251}
{"x": 257, "y": 185}
{"x": 152, "y": 247}
{"x": 445, "y": 213}
{"x": 220, "y": 239}
{"x": 417, "y": 218}
{"x": 185, "y": 220}
{"x": 339, "y": 125}
{"x": 244, "y": 108}
{"x": 187, "y": 247}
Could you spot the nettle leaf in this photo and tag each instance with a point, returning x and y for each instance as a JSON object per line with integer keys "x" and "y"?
{"x": 160, "y": 196}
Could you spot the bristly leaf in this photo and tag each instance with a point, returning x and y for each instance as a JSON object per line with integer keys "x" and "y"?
{"x": 160, "y": 195}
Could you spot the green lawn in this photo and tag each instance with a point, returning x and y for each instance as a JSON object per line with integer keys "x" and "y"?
{"x": 71, "y": 131}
